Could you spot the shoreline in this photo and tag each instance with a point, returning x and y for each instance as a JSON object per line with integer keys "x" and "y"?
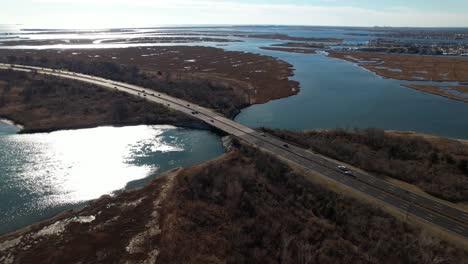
{"x": 421, "y": 89}
{"x": 7, "y": 121}
{"x": 184, "y": 124}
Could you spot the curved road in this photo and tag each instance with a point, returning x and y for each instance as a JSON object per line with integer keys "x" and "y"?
{"x": 429, "y": 210}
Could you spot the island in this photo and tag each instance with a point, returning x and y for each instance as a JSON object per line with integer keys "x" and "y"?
{"x": 222, "y": 80}
{"x": 415, "y": 68}
{"x": 292, "y": 50}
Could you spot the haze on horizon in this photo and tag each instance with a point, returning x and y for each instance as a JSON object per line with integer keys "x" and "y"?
{"x": 139, "y": 13}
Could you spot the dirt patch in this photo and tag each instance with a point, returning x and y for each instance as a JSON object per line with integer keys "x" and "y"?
{"x": 409, "y": 67}
{"x": 456, "y": 92}
{"x": 291, "y": 50}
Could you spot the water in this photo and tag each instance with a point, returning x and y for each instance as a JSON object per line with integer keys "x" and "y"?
{"x": 45, "y": 174}
{"x": 6, "y": 128}
{"x": 339, "y": 94}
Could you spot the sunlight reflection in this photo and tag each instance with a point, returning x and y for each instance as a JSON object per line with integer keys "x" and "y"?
{"x": 72, "y": 166}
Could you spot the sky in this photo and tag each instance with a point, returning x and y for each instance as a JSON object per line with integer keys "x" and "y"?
{"x": 138, "y": 13}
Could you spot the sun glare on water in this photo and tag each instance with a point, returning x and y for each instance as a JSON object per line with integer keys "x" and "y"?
{"x": 84, "y": 164}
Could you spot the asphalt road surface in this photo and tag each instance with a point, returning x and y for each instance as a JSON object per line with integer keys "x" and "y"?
{"x": 427, "y": 209}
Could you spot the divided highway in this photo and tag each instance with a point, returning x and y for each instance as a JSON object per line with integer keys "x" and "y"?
{"x": 430, "y": 210}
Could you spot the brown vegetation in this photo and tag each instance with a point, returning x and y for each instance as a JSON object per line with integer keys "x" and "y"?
{"x": 409, "y": 67}
{"x": 44, "y": 103}
{"x": 246, "y": 207}
{"x": 40, "y": 42}
{"x": 287, "y": 37}
{"x": 223, "y": 80}
{"x": 440, "y": 168}
{"x": 160, "y": 39}
{"x": 292, "y": 50}
{"x": 456, "y": 92}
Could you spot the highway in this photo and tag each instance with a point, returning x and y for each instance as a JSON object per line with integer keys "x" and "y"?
{"x": 429, "y": 210}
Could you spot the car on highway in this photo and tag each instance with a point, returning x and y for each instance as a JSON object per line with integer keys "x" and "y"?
{"x": 343, "y": 168}
{"x": 286, "y": 145}
{"x": 211, "y": 120}
{"x": 347, "y": 171}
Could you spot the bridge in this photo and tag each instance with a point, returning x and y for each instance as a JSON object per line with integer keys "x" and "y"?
{"x": 432, "y": 211}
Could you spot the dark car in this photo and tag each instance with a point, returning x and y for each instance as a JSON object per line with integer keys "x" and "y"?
{"x": 286, "y": 145}
{"x": 343, "y": 168}
{"x": 347, "y": 171}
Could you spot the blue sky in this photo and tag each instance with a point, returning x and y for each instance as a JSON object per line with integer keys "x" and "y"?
{"x": 127, "y": 13}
